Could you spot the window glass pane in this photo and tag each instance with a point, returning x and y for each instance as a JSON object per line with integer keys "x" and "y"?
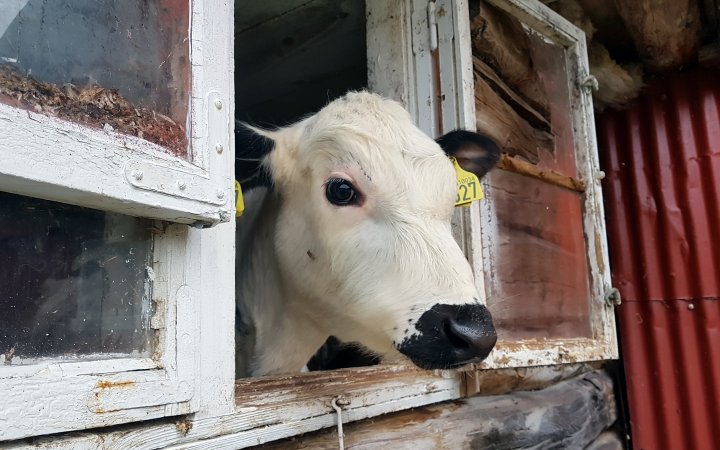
{"x": 538, "y": 283}
{"x": 523, "y": 90}
{"x": 121, "y": 66}
{"x": 73, "y": 281}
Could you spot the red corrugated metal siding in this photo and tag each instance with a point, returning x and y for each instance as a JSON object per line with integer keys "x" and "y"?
{"x": 662, "y": 159}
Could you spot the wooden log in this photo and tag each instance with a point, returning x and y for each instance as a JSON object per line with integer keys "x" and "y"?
{"x": 666, "y": 34}
{"x": 710, "y": 56}
{"x": 571, "y": 414}
{"x": 499, "y": 120}
{"x": 549, "y": 176}
{"x": 618, "y": 84}
{"x": 609, "y": 440}
{"x": 500, "y": 41}
{"x": 523, "y": 108}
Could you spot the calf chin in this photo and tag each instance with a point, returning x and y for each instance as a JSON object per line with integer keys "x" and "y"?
{"x": 450, "y": 336}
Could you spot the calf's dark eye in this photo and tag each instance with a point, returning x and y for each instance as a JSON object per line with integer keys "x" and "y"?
{"x": 340, "y": 192}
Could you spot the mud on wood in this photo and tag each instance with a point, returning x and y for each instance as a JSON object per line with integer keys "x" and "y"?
{"x": 94, "y": 106}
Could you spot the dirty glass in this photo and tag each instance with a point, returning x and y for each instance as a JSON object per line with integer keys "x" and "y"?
{"x": 523, "y": 85}
{"x": 115, "y": 65}
{"x": 539, "y": 283}
{"x": 73, "y": 281}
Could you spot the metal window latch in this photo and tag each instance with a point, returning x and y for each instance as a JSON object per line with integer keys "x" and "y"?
{"x": 432, "y": 24}
{"x": 337, "y": 403}
{"x": 612, "y": 297}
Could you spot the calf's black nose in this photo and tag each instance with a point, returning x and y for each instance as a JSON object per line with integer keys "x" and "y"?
{"x": 468, "y": 329}
{"x": 451, "y": 335}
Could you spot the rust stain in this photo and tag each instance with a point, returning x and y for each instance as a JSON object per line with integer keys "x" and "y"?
{"x": 184, "y": 426}
{"x": 599, "y": 253}
{"x": 102, "y": 384}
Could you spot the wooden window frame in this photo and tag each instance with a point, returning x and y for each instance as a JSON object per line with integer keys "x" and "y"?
{"x": 49, "y": 158}
{"x": 458, "y": 89}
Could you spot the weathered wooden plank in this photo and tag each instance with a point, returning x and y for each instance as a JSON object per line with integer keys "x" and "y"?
{"x": 666, "y": 34}
{"x": 503, "y": 381}
{"x": 571, "y": 414}
{"x": 500, "y": 121}
{"x": 501, "y": 41}
{"x": 509, "y": 95}
{"x": 609, "y": 440}
{"x": 549, "y": 176}
{"x": 264, "y": 420}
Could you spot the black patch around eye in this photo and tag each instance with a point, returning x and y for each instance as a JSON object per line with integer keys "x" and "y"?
{"x": 341, "y": 192}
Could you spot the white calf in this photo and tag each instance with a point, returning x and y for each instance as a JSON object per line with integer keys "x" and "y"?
{"x": 353, "y": 239}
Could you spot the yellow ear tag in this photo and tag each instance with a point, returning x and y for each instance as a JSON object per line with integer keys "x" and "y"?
{"x": 469, "y": 189}
{"x": 239, "y": 204}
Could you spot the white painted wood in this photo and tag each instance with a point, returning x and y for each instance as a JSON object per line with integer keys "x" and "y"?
{"x": 90, "y": 364}
{"x": 457, "y": 93}
{"x": 390, "y": 67}
{"x": 400, "y": 60}
{"x": 213, "y": 262}
{"x": 61, "y": 161}
{"x": 52, "y": 402}
{"x": 424, "y": 63}
{"x": 271, "y": 417}
{"x": 51, "y": 397}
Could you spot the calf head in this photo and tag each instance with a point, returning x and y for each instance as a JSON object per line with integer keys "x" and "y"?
{"x": 363, "y": 236}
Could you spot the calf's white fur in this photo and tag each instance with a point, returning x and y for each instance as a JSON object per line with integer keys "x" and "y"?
{"x": 367, "y": 272}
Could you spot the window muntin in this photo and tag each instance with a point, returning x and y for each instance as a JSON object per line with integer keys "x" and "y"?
{"x": 114, "y": 66}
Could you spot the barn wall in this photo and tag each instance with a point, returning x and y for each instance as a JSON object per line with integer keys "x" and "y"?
{"x": 662, "y": 159}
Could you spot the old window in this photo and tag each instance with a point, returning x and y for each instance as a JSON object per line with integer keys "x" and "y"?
{"x": 538, "y": 242}
{"x": 178, "y": 357}
{"x": 115, "y": 138}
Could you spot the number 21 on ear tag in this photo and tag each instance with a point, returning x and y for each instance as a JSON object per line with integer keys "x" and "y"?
{"x": 469, "y": 189}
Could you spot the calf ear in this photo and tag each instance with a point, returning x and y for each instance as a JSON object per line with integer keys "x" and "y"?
{"x": 252, "y": 145}
{"x": 474, "y": 152}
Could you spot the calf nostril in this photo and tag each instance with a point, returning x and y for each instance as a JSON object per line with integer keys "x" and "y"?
{"x": 455, "y": 338}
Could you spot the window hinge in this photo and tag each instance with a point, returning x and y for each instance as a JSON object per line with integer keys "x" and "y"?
{"x": 590, "y": 83}
{"x": 612, "y": 297}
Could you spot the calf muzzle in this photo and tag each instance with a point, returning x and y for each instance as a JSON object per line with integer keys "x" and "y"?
{"x": 450, "y": 335}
